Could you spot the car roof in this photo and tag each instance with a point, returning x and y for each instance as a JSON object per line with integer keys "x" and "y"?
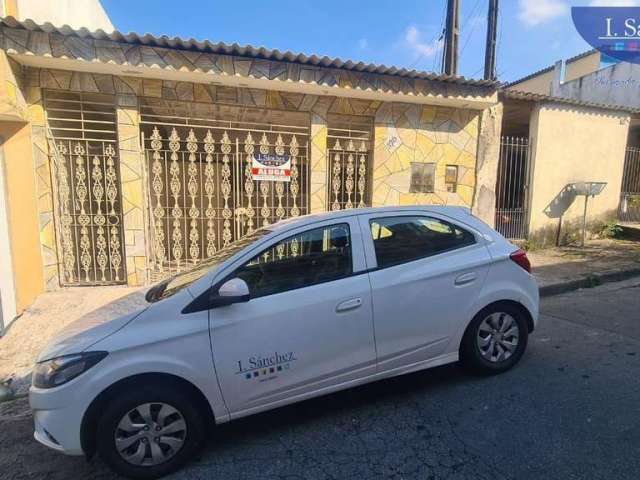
{"x": 455, "y": 212}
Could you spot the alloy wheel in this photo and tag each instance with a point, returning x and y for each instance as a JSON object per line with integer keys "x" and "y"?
{"x": 150, "y": 434}
{"x": 498, "y": 337}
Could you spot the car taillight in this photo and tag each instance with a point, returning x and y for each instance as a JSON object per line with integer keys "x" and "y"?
{"x": 520, "y": 257}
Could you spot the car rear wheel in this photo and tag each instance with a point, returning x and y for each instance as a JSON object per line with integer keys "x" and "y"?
{"x": 149, "y": 432}
{"x": 495, "y": 340}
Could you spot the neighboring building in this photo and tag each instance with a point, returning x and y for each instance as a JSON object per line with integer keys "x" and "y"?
{"x": 589, "y": 81}
{"x": 76, "y": 13}
{"x": 549, "y": 144}
{"x": 542, "y": 81}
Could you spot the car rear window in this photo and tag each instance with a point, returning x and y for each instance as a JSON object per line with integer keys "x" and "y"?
{"x": 404, "y": 239}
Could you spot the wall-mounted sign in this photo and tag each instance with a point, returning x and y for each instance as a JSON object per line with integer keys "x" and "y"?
{"x": 271, "y": 168}
{"x": 615, "y": 31}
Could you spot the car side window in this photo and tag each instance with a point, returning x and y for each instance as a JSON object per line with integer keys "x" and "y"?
{"x": 312, "y": 257}
{"x": 404, "y": 239}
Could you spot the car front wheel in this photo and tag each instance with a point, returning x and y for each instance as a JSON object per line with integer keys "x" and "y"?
{"x": 495, "y": 340}
{"x": 149, "y": 432}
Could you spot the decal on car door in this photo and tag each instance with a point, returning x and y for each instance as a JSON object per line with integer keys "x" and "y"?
{"x": 266, "y": 367}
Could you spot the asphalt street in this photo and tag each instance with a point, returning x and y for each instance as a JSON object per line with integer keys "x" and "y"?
{"x": 569, "y": 410}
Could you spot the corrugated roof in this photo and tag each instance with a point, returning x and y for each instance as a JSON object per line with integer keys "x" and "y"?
{"x": 207, "y": 46}
{"x": 537, "y": 97}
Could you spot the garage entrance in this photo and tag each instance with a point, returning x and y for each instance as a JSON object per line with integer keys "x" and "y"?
{"x": 202, "y": 190}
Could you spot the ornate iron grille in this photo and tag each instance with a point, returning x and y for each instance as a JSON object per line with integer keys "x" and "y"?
{"x": 512, "y": 186}
{"x": 349, "y": 173}
{"x": 629, "y": 209}
{"x": 202, "y": 192}
{"x": 86, "y": 178}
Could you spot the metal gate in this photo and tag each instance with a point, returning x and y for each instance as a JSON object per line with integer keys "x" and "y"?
{"x": 349, "y": 173}
{"x": 629, "y": 209}
{"x": 85, "y": 180}
{"x": 202, "y": 192}
{"x": 512, "y": 187}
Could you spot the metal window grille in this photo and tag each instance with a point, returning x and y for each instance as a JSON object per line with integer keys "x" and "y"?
{"x": 512, "y": 213}
{"x": 349, "y": 147}
{"x": 629, "y": 208}
{"x": 83, "y": 155}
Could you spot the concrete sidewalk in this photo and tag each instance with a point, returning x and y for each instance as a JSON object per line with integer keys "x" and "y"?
{"x": 563, "y": 269}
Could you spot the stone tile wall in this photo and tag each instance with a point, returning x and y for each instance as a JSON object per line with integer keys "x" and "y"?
{"x": 405, "y": 134}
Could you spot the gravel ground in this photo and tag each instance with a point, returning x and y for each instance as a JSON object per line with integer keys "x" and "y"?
{"x": 567, "y": 411}
{"x": 51, "y": 312}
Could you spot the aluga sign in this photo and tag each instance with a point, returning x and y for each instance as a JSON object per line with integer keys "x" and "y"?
{"x": 615, "y": 31}
{"x": 305, "y": 307}
{"x": 267, "y": 167}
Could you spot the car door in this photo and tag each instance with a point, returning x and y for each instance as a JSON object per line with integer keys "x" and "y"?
{"x": 427, "y": 271}
{"x": 308, "y": 325}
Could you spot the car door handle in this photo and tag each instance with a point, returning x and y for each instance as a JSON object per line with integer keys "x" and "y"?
{"x": 465, "y": 278}
{"x": 349, "y": 304}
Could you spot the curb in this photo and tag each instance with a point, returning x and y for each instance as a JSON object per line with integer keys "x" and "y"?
{"x": 589, "y": 281}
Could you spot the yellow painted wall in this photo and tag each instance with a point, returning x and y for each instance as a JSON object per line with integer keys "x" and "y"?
{"x": 22, "y": 212}
{"x": 582, "y": 66}
{"x": 405, "y": 134}
{"x": 539, "y": 84}
{"x": 573, "y": 144}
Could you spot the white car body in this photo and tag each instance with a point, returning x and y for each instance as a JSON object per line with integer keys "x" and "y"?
{"x": 372, "y": 324}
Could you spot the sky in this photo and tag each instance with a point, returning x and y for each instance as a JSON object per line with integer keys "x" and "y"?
{"x": 533, "y": 34}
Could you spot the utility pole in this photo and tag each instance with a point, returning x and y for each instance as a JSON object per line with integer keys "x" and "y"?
{"x": 451, "y": 36}
{"x": 490, "y": 49}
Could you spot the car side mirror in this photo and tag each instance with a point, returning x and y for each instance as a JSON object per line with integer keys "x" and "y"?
{"x": 232, "y": 291}
{"x": 235, "y": 289}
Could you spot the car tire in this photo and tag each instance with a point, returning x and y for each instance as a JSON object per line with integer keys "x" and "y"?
{"x": 167, "y": 409}
{"x": 495, "y": 340}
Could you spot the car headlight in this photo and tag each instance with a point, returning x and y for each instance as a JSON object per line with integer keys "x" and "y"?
{"x": 56, "y": 371}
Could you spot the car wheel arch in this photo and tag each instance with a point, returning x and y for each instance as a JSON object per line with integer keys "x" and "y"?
{"x": 92, "y": 414}
{"x": 513, "y": 303}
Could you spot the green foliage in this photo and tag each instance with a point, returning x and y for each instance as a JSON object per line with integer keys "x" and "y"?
{"x": 531, "y": 245}
{"x": 611, "y": 230}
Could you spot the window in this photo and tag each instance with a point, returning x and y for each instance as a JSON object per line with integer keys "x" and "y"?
{"x": 316, "y": 256}
{"x": 182, "y": 280}
{"x": 423, "y": 177}
{"x": 451, "y": 178}
{"x": 404, "y": 239}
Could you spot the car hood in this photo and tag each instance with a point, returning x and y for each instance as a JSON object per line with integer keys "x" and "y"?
{"x": 95, "y": 326}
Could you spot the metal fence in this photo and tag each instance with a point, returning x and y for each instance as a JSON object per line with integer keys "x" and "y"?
{"x": 629, "y": 209}
{"x": 512, "y": 186}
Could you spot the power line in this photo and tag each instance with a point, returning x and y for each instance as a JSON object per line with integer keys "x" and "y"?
{"x": 473, "y": 27}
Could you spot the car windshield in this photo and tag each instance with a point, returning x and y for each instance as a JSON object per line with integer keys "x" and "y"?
{"x": 174, "y": 284}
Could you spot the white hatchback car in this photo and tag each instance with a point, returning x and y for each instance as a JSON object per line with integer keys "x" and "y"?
{"x": 302, "y": 308}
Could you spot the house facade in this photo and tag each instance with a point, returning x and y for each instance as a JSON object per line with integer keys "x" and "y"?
{"x": 134, "y": 157}
{"x": 128, "y": 158}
